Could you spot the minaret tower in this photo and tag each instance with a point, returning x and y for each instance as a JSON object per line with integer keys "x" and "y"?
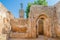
{"x": 21, "y": 11}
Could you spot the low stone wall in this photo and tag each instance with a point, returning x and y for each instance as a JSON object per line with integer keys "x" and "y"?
{"x": 19, "y": 26}
{"x": 18, "y": 35}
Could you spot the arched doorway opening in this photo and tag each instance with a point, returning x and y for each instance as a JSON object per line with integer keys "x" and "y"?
{"x": 42, "y": 25}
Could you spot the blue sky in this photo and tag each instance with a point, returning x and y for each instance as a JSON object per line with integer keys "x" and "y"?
{"x": 14, "y": 5}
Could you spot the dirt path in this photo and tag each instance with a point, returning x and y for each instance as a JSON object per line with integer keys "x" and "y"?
{"x": 39, "y": 38}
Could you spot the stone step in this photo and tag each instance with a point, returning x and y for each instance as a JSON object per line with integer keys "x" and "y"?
{"x": 18, "y": 35}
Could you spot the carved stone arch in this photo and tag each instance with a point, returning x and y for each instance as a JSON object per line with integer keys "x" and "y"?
{"x": 46, "y": 24}
{"x": 41, "y": 16}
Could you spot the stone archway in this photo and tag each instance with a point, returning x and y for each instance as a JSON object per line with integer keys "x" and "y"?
{"x": 43, "y": 25}
{"x": 40, "y": 26}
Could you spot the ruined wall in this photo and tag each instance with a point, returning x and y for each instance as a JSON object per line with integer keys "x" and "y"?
{"x": 35, "y": 12}
{"x": 19, "y": 25}
{"x": 5, "y": 26}
{"x": 19, "y": 28}
{"x": 4, "y": 20}
{"x": 57, "y": 6}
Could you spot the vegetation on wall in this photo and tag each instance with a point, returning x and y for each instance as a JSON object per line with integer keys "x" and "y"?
{"x": 36, "y": 2}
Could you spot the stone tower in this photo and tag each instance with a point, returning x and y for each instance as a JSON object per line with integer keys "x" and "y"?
{"x": 21, "y": 11}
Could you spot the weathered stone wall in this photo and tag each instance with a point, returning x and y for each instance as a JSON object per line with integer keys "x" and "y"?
{"x": 57, "y": 7}
{"x": 35, "y": 12}
{"x": 5, "y": 26}
{"x": 19, "y": 28}
{"x": 4, "y": 20}
{"x": 19, "y": 25}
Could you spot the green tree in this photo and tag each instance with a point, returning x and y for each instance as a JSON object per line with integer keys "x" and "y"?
{"x": 28, "y": 9}
{"x": 36, "y": 2}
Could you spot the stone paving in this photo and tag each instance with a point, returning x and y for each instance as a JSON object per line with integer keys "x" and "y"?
{"x": 39, "y": 38}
